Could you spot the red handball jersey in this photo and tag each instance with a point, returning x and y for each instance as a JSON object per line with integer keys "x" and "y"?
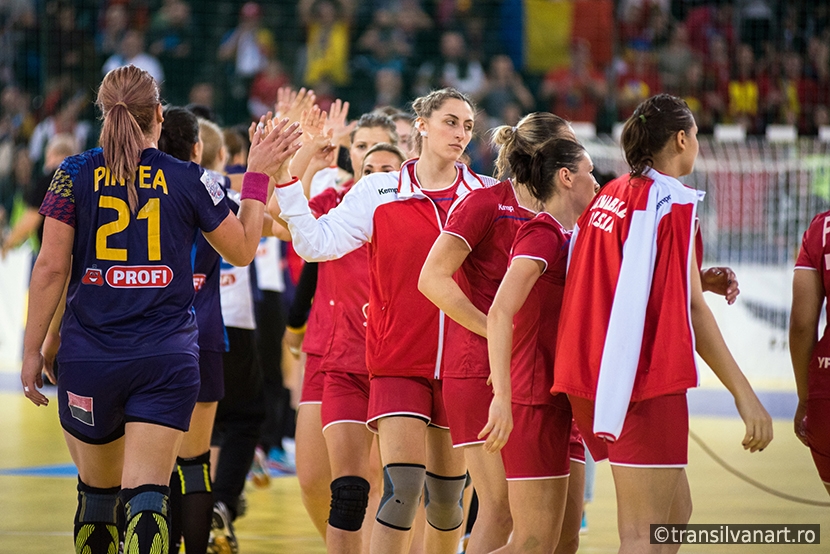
{"x": 536, "y": 324}
{"x": 627, "y": 299}
{"x": 487, "y": 221}
{"x": 337, "y": 323}
{"x": 815, "y": 255}
{"x": 405, "y": 333}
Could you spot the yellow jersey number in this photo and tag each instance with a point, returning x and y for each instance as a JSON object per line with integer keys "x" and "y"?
{"x": 150, "y": 211}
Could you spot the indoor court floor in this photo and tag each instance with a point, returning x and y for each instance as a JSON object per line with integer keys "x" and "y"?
{"x": 37, "y": 487}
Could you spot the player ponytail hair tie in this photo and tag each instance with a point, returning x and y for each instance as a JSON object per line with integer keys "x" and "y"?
{"x": 514, "y": 128}
{"x": 642, "y": 118}
{"x": 119, "y": 103}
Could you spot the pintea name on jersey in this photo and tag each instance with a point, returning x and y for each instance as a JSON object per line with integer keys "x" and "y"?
{"x": 139, "y": 276}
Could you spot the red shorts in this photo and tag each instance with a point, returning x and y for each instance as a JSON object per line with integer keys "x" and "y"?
{"x": 818, "y": 435}
{"x": 655, "y": 432}
{"x": 345, "y": 398}
{"x": 538, "y": 445}
{"x": 312, "y": 392}
{"x": 577, "y": 446}
{"x": 418, "y": 397}
{"x": 468, "y": 407}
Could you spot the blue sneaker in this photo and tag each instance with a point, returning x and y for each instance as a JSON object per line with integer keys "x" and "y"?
{"x": 259, "y": 469}
{"x": 584, "y": 527}
{"x": 279, "y": 460}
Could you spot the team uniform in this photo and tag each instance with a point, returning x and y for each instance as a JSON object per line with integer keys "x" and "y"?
{"x": 208, "y": 309}
{"x": 405, "y": 333}
{"x": 487, "y": 221}
{"x": 812, "y": 257}
{"x": 129, "y": 347}
{"x": 320, "y": 327}
{"x": 343, "y": 287}
{"x": 529, "y": 454}
{"x": 631, "y": 316}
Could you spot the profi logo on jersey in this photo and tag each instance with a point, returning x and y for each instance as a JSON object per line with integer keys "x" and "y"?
{"x": 139, "y": 276}
{"x": 93, "y": 276}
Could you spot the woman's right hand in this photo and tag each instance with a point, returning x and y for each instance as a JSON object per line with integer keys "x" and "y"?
{"x": 270, "y": 152}
{"x": 291, "y": 104}
{"x": 30, "y": 376}
{"x": 499, "y": 424}
{"x": 757, "y": 420}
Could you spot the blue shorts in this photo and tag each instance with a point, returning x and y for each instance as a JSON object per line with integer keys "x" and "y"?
{"x": 211, "y": 376}
{"x": 96, "y": 399}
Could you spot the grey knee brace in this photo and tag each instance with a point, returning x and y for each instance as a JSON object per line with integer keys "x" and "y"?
{"x": 402, "y": 488}
{"x": 349, "y": 498}
{"x": 444, "y": 501}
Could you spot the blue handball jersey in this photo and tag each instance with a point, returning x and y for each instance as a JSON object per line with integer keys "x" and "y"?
{"x": 131, "y": 285}
{"x": 206, "y": 283}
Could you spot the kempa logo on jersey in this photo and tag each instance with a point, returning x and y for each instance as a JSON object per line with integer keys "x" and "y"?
{"x": 504, "y": 208}
{"x": 387, "y": 191}
{"x": 139, "y": 276}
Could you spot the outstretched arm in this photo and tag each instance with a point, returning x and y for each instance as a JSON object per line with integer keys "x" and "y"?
{"x": 237, "y": 238}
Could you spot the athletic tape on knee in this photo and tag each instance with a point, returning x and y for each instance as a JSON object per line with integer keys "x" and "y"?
{"x": 349, "y": 498}
{"x": 97, "y": 505}
{"x": 403, "y": 485}
{"x": 444, "y": 501}
{"x": 194, "y": 473}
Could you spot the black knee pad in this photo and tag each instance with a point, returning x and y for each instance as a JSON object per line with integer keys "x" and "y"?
{"x": 147, "y": 511}
{"x": 444, "y": 501}
{"x": 403, "y": 485}
{"x": 194, "y": 473}
{"x": 349, "y": 498}
{"x": 96, "y": 519}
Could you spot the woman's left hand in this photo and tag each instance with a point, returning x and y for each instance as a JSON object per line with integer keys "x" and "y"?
{"x": 49, "y": 352}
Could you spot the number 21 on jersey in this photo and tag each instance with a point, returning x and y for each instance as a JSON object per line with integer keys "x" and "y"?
{"x": 150, "y": 211}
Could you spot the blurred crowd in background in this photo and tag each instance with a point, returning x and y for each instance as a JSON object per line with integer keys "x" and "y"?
{"x": 750, "y": 62}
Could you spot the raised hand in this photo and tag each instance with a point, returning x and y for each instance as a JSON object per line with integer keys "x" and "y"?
{"x": 271, "y": 152}
{"x": 338, "y": 112}
{"x": 292, "y": 104}
{"x": 313, "y": 121}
